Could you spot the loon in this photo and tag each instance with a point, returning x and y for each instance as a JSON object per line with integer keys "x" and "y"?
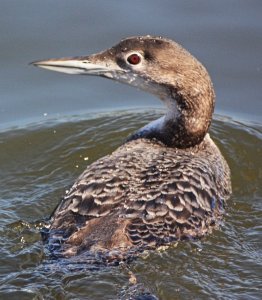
{"x": 168, "y": 181}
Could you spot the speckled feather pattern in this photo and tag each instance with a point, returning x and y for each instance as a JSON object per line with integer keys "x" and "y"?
{"x": 144, "y": 194}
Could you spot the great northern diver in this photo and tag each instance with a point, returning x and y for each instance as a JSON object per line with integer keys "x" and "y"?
{"x": 168, "y": 181}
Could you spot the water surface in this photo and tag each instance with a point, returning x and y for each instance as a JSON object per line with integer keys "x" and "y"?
{"x": 39, "y": 162}
{"x": 51, "y": 128}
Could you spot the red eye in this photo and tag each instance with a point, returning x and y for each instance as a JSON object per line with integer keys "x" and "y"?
{"x": 134, "y": 59}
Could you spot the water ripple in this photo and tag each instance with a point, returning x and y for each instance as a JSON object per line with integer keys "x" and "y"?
{"x": 39, "y": 163}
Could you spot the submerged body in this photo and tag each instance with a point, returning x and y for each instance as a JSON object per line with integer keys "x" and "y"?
{"x": 169, "y": 181}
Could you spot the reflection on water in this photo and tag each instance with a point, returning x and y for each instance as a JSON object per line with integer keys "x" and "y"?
{"x": 39, "y": 162}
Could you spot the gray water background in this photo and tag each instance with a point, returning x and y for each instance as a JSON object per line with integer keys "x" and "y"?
{"x": 225, "y": 35}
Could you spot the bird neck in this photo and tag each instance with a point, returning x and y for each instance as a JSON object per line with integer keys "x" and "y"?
{"x": 187, "y": 119}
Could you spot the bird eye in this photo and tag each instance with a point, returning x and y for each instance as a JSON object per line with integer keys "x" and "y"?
{"x": 134, "y": 59}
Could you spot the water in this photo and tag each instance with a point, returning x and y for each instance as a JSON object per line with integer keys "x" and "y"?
{"x": 226, "y": 37}
{"x": 53, "y": 125}
{"x": 40, "y": 161}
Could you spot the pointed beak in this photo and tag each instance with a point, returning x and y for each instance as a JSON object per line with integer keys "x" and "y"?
{"x": 85, "y": 65}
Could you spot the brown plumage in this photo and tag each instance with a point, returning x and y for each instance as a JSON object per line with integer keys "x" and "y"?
{"x": 169, "y": 181}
